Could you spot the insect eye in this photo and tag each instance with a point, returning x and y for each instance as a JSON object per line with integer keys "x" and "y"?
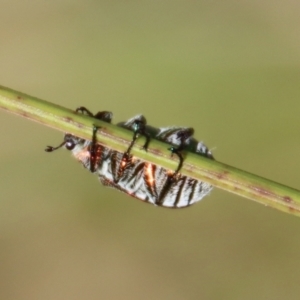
{"x": 70, "y": 145}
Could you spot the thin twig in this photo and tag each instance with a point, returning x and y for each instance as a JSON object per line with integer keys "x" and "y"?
{"x": 218, "y": 174}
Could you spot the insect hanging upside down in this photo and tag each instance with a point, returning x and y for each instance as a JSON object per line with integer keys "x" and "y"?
{"x": 140, "y": 179}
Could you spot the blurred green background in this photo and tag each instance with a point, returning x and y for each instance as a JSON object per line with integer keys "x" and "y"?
{"x": 230, "y": 69}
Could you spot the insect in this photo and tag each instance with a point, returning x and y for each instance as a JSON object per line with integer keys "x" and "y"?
{"x": 142, "y": 180}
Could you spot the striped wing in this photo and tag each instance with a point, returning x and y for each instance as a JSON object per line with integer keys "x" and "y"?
{"x": 164, "y": 190}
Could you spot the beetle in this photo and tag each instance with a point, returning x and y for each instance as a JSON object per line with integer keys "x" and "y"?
{"x": 140, "y": 179}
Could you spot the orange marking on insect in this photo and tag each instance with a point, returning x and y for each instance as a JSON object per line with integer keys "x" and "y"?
{"x": 149, "y": 174}
{"x": 123, "y": 163}
{"x": 82, "y": 155}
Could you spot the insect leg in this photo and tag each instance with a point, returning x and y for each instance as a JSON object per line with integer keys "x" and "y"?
{"x": 180, "y": 157}
{"x": 83, "y": 110}
{"x": 139, "y": 128}
{"x": 136, "y": 124}
{"x": 183, "y": 136}
{"x": 105, "y": 116}
{"x": 93, "y": 149}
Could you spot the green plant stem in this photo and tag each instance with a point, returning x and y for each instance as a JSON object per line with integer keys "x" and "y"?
{"x": 218, "y": 174}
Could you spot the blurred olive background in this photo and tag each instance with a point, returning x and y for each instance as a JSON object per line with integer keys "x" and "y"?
{"x": 230, "y": 69}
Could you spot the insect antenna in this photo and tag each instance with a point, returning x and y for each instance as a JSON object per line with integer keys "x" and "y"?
{"x": 51, "y": 149}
